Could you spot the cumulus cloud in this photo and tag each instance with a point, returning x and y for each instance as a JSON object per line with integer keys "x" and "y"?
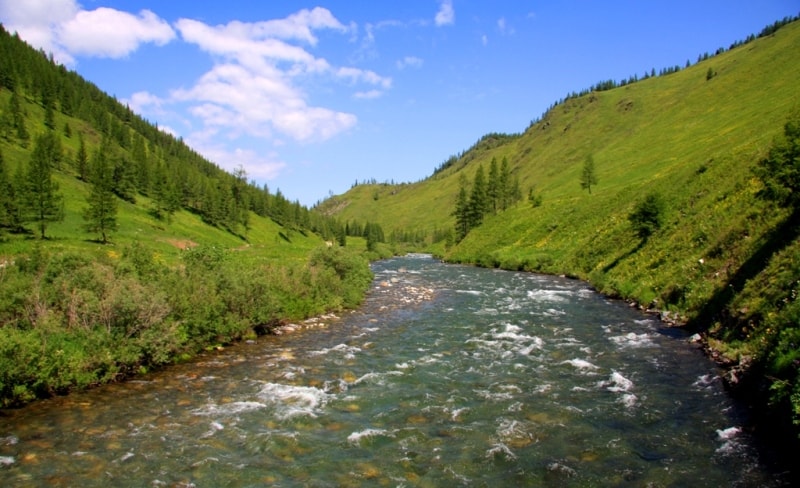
{"x": 64, "y": 29}
{"x": 253, "y": 88}
{"x": 446, "y": 15}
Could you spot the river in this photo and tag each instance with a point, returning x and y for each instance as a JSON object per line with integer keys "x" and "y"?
{"x": 447, "y": 376}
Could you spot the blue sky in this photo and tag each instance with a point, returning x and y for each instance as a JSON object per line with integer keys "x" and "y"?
{"x": 309, "y": 97}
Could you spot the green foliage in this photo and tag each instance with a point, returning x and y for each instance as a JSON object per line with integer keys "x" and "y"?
{"x": 648, "y": 216}
{"x": 43, "y": 202}
{"x": 780, "y": 170}
{"x": 588, "y": 174}
{"x": 101, "y": 214}
{"x": 71, "y": 321}
{"x": 461, "y": 211}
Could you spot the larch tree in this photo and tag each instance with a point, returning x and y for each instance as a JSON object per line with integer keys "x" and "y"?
{"x": 494, "y": 189}
{"x": 461, "y": 212}
{"x": 588, "y": 175}
{"x": 43, "y": 203}
{"x": 101, "y": 214}
{"x": 478, "y": 199}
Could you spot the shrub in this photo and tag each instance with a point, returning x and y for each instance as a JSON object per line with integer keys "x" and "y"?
{"x": 648, "y": 216}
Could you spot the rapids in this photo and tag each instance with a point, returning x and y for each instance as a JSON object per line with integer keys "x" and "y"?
{"x": 447, "y": 376}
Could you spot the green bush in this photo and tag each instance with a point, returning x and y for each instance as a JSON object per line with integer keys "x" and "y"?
{"x": 648, "y": 216}
{"x": 69, "y": 321}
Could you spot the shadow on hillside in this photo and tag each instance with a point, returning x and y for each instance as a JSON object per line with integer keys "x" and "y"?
{"x": 624, "y": 256}
{"x": 716, "y": 308}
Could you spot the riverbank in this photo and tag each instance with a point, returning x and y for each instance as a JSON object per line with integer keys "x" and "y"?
{"x": 73, "y": 322}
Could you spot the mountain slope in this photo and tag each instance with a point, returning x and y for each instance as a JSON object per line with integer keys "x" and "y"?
{"x": 723, "y": 259}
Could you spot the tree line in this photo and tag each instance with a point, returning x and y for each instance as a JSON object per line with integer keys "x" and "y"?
{"x": 611, "y": 83}
{"x": 484, "y": 196}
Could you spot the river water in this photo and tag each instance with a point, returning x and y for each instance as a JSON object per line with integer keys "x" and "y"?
{"x": 448, "y": 376}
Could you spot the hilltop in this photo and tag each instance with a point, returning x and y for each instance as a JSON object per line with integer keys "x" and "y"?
{"x": 722, "y": 260}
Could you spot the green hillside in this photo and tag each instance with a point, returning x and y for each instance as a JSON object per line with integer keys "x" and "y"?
{"x": 724, "y": 261}
{"x": 179, "y": 255}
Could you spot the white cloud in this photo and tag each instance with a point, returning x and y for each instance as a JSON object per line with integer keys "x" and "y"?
{"x": 254, "y": 87}
{"x": 66, "y": 30}
{"x": 484, "y": 40}
{"x": 141, "y": 101}
{"x": 409, "y": 62}
{"x": 257, "y": 165}
{"x": 446, "y": 14}
{"x": 110, "y": 33}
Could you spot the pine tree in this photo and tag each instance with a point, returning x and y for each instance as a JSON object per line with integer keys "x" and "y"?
{"x": 81, "y": 159}
{"x": 588, "y": 176}
{"x": 18, "y": 119}
{"x": 494, "y": 189}
{"x": 101, "y": 214}
{"x": 7, "y": 203}
{"x": 461, "y": 211}
{"x": 166, "y": 199}
{"x": 43, "y": 202}
{"x": 478, "y": 199}
{"x": 505, "y": 193}
{"x": 124, "y": 179}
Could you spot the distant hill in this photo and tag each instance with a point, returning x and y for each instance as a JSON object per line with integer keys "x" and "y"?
{"x": 722, "y": 260}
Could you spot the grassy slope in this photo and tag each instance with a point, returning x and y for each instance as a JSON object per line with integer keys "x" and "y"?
{"x": 724, "y": 260}
{"x": 692, "y": 140}
{"x": 265, "y": 238}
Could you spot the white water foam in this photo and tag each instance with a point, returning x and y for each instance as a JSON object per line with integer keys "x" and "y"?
{"x": 550, "y": 295}
{"x": 629, "y": 400}
{"x": 356, "y": 437}
{"x": 6, "y": 460}
{"x": 291, "y": 401}
{"x": 705, "y": 381}
{"x": 470, "y": 292}
{"x": 616, "y": 383}
{"x": 581, "y": 364}
{"x": 501, "y": 451}
{"x": 633, "y": 340}
{"x": 376, "y": 378}
{"x": 228, "y": 409}
{"x": 348, "y": 351}
{"x": 729, "y": 437}
{"x": 456, "y": 413}
{"x": 10, "y": 440}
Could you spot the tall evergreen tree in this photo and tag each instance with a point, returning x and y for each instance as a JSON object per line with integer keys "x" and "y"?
{"x": 124, "y": 178}
{"x": 494, "y": 188}
{"x": 101, "y": 214}
{"x": 504, "y": 182}
{"x": 82, "y": 159}
{"x": 43, "y": 202}
{"x": 588, "y": 176}
{"x": 461, "y": 211}
{"x": 164, "y": 192}
{"x": 7, "y": 203}
{"x": 478, "y": 199}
